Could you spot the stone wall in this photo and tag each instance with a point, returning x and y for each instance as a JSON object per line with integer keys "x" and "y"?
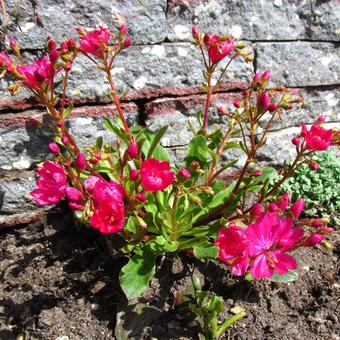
{"x": 297, "y": 40}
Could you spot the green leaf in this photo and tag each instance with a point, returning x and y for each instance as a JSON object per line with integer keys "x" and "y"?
{"x": 291, "y": 276}
{"x": 205, "y": 250}
{"x": 134, "y": 277}
{"x": 68, "y": 111}
{"x": 197, "y": 151}
{"x": 99, "y": 143}
{"x": 155, "y": 141}
{"x": 161, "y": 154}
{"x": 171, "y": 246}
{"x": 116, "y": 130}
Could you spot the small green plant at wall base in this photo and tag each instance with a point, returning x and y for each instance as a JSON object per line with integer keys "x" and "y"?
{"x": 320, "y": 187}
{"x": 130, "y": 190}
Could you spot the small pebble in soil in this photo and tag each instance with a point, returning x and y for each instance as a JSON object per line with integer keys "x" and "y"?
{"x": 94, "y": 306}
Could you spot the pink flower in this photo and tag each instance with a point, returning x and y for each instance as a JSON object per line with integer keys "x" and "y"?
{"x": 155, "y": 175}
{"x": 317, "y": 138}
{"x": 127, "y": 43}
{"x": 5, "y": 61}
{"x": 95, "y": 42}
{"x": 141, "y": 197}
{"x": 297, "y": 208}
{"x": 268, "y": 240}
{"x": 233, "y": 249}
{"x": 109, "y": 214}
{"x": 219, "y": 48}
{"x": 41, "y": 71}
{"x": 51, "y": 184}
{"x": 134, "y": 174}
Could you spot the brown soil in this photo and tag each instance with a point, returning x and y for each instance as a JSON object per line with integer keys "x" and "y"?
{"x": 57, "y": 281}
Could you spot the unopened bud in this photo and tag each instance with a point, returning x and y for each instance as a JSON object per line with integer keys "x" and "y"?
{"x": 237, "y": 104}
{"x": 257, "y": 172}
{"x": 296, "y": 141}
{"x": 65, "y": 139}
{"x": 273, "y": 107}
{"x": 266, "y": 75}
{"x": 207, "y": 38}
{"x": 80, "y": 31}
{"x": 195, "y": 32}
{"x": 141, "y": 197}
{"x": 127, "y": 43}
{"x": 133, "y": 174}
{"x": 314, "y": 165}
{"x": 54, "y": 148}
{"x": 194, "y": 166}
{"x": 73, "y": 194}
{"x": 54, "y": 55}
{"x": 51, "y": 44}
{"x": 81, "y": 162}
{"x": 184, "y": 173}
{"x": 132, "y": 150}
{"x": 123, "y": 29}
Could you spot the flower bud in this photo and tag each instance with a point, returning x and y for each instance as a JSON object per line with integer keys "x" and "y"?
{"x": 256, "y": 77}
{"x": 257, "y": 172}
{"x": 133, "y": 174}
{"x": 132, "y": 150}
{"x": 207, "y": 38}
{"x": 65, "y": 139}
{"x": 296, "y": 141}
{"x": 321, "y": 120}
{"x": 184, "y": 173}
{"x": 237, "y": 104}
{"x": 317, "y": 224}
{"x": 75, "y": 206}
{"x": 256, "y": 209}
{"x": 90, "y": 183}
{"x": 273, "y": 107}
{"x": 81, "y": 32}
{"x": 71, "y": 43}
{"x": 54, "y": 55}
{"x": 195, "y": 32}
{"x": 263, "y": 101}
{"x": 266, "y": 75}
{"x": 123, "y": 30}
{"x": 51, "y": 44}
{"x": 73, "y": 194}
{"x": 141, "y": 197}
{"x": 297, "y": 208}
{"x": 127, "y": 43}
{"x": 314, "y": 165}
{"x": 272, "y": 207}
{"x": 54, "y": 148}
{"x": 80, "y": 162}
{"x": 283, "y": 201}
{"x": 313, "y": 240}
{"x": 96, "y": 158}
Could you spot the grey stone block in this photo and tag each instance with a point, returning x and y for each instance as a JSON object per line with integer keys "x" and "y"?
{"x": 256, "y": 20}
{"x": 40, "y": 19}
{"x": 301, "y": 63}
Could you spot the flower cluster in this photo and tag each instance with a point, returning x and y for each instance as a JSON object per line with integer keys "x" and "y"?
{"x": 130, "y": 186}
{"x": 262, "y": 246}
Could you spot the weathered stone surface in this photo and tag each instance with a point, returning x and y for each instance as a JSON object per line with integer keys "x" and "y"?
{"x": 256, "y": 20}
{"x": 37, "y": 20}
{"x": 142, "y": 71}
{"x": 22, "y": 145}
{"x": 14, "y": 192}
{"x": 301, "y": 63}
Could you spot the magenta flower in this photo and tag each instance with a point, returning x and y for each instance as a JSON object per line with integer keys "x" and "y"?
{"x": 268, "y": 240}
{"x": 95, "y": 42}
{"x": 317, "y": 138}
{"x": 41, "y": 71}
{"x": 109, "y": 214}
{"x": 155, "y": 175}
{"x": 219, "y": 48}
{"x": 51, "y": 184}
{"x": 263, "y": 101}
{"x": 233, "y": 249}
{"x": 132, "y": 150}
